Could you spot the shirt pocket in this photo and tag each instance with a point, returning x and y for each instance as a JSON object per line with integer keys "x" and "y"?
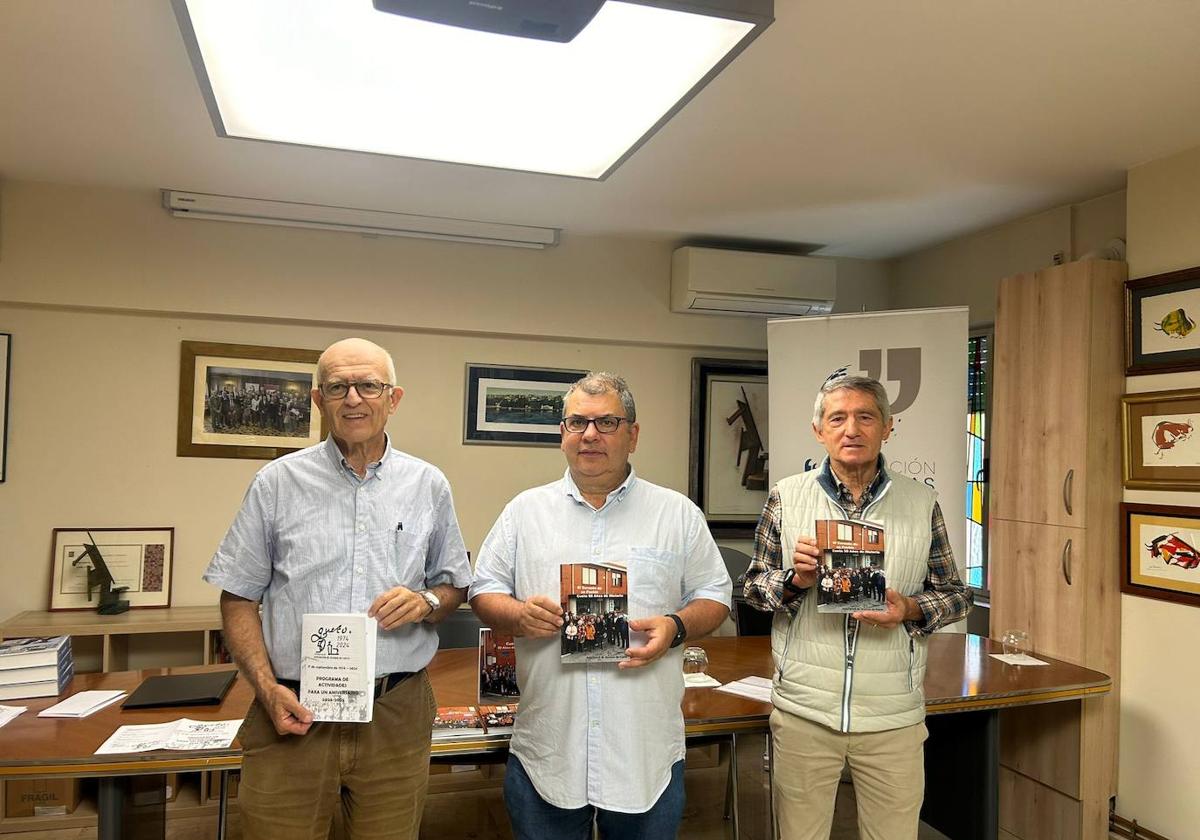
{"x": 654, "y": 581}
{"x": 409, "y": 548}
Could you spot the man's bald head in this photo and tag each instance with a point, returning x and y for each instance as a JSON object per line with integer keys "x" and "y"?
{"x": 355, "y": 351}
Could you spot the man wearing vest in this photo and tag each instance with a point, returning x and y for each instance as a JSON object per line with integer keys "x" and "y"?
{"x": 849, "y": 687}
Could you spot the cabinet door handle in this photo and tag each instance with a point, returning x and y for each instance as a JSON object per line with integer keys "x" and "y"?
{"x": 1068, "y": 486}
{"x": 1066, "y": 562}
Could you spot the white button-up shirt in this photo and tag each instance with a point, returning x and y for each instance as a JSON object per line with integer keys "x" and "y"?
{"x": 595, "y": 734}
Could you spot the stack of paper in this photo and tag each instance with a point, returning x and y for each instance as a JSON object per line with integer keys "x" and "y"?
{"x": 182, "y": 734}
{"x": 7, "y": 713}
{"x": 756, "y": 688}
{"x": 82, "y": 704}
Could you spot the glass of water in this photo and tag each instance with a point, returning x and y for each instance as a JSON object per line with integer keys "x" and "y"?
{"x": 695, "y": 660}
{"x": 1015, "y": 641}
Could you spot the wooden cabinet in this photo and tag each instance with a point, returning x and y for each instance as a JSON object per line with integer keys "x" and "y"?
{"x": 1055, "y": 485}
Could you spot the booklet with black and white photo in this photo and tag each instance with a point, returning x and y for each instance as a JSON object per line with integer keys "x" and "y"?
{"x": 850, "y": 576}
{"x": 337, "y": 666}
{"x": 595, "y": 604}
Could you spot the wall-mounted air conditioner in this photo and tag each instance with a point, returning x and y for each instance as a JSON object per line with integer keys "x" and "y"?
{"x": 721, "y": 282}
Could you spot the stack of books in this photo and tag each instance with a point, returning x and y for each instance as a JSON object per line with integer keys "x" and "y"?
{"x": 457, "y": 722}
{"x": 35, "y": 667}
{"x": 498, "y": 720}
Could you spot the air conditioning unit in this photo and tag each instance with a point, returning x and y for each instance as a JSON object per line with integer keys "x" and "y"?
{"x": 720, "y": 282}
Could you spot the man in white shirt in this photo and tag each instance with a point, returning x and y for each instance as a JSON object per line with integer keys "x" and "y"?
{"x": 598, "y": 741}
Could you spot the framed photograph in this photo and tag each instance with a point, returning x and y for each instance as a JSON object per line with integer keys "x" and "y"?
{"x": 728, "y": 477}
{"x": 1162, "y": 552}
{"x": 139, "y": 559}
{"x": 1162, "y": 451}
{"x": 242, "y": 401}
{"x": 515, "y": 405}
{"x": 1161, "y": 318}
{"x": 5, "y": 358}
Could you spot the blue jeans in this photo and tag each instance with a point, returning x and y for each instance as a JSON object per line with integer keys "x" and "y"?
{"x": 533, "y": 818}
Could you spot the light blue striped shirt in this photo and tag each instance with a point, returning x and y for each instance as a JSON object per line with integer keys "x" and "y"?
{"x": 594, "y": 734}
{"x": 313, "y": 537}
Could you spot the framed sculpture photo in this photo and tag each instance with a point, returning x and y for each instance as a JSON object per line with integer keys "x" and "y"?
{"x": 728, "y": 477}
{"x": 1161, "y": 448}
{"x": 1162, "y": 552}
{"x": 515, "y": 405}
{"x": 5, "y": 357}
{"x": 139, "y": 559}
{"x": 1161, "y": 318}
{"x": 243, "y": 401}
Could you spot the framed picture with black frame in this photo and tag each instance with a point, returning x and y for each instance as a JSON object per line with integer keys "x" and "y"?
{"x": 728, "y": 477}
{"x": 515, "y": 406}
{"x": 1161, "y": 320}
{"x": 1161, "y": 550}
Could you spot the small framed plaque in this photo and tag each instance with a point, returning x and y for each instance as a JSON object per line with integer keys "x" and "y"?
{"x": 139, "y": 559}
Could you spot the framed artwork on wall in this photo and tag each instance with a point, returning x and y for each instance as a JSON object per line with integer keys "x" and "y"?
{"x": 1161, "y": 448}
{"x": 1162, "y": 314}
{"x": 515, "y": 405}
{"x": 244, "y": 401}
{"x": 1162, "y": 552}
{"x": 139, "y": 559}
{"x": 5, "y": 375}
{"x": 728, "y": 476}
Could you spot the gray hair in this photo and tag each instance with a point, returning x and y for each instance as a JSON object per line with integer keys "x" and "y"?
{"x": 862, "y": 384}
{"x": 599, "y": 382}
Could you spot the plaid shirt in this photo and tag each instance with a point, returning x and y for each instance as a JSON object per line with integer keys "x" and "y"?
{"x": 943, "y": 601}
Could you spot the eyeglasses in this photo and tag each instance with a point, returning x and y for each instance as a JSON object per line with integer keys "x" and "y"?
{"x": 605, "y": 425}
{"x": 368, "y": 390}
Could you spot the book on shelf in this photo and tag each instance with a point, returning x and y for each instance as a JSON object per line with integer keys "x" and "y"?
{"x": 32, "y": 653}
{"x": 498, "y": 720}
{"x": 457, "y": 722}
{"x": 337, "y": 666}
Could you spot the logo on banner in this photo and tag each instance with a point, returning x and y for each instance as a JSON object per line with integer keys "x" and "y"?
{"x": 903, "y": 367}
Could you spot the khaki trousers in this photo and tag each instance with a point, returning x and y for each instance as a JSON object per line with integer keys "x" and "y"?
{"x": 888, "y": 769}
{"x": 376, "y": 772}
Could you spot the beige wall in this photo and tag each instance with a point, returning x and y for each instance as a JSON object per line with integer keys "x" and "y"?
{"x": 965, "y": 271}
{"x": 1160, "y": 671}
{"x": 98, "y": 287}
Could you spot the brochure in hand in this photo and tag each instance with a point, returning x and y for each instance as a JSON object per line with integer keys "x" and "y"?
{"x": 850, "y": 576}
{"x": 595, "y": 604}
{"x": 337, "y": 666}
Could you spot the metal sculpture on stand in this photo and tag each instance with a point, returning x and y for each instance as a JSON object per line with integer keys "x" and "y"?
{"x": 101, "y": 579}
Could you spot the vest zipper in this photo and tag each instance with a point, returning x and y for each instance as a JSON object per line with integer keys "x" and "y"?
{"x": 851, "y": 636}
{"x": 912, "y": 660}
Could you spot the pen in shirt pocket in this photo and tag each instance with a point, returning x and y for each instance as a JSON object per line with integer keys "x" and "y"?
{"x": 399, "y": 526}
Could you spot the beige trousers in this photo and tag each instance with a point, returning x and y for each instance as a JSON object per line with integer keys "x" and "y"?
{"x": 376, "y": 772}
{"x": 888, "y": 769}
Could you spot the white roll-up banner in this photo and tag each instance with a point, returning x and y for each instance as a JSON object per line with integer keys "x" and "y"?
{"x": 919, "y": 355}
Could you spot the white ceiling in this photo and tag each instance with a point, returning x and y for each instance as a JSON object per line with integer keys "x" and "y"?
{"x": 869, "y": 127}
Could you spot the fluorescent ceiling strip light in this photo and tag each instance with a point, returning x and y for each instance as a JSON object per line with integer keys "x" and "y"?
{"x": 343, "y": 75}
{"x": 224, "y": 208}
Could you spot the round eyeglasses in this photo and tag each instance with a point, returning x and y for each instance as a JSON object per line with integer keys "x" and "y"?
{"x": 605, "y": 425}
{"x": 368, "y": 390}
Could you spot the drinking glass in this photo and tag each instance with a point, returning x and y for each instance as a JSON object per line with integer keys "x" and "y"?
{"x": 695, "y": 660}
{"x": 1015, "y": 641}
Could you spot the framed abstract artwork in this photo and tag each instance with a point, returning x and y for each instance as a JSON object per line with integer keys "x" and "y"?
{"x": 1161, "y": 318}
{"x": 139, "y": 559}
{"x": 1161, "y": 448}
{"x": 1162, "y": 552}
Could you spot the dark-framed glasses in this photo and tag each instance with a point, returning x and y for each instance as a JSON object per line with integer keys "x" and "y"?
{"x": 606, "y": 425}
{"x": 368, "y": 389}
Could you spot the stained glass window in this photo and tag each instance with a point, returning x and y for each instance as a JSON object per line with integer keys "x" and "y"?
{"x": 978, "y": 349}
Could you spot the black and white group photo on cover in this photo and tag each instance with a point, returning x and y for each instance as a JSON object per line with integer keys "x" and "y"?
{"x": 595, "y": 604}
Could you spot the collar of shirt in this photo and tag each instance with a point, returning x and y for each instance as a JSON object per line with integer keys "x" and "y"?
{"x": 621, "y": 491}
{"x": 340, "y": 463}
{"x": 834, "y": 487}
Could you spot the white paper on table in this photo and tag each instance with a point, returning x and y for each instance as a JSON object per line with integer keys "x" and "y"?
{"x": 753, "y": 690}
{"x": 7, "y": 713}
{"x": 1017, "y": 659}
{"x": 699, "y": 681}
{"x": 82, "y": 704}
{"x": 181, "y": 734}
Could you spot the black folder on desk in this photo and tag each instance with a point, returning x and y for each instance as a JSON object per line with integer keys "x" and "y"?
{"x": 181, "y": 690}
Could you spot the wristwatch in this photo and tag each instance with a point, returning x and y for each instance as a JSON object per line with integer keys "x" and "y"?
{"x": 791, "y": 587}
{"x": 432, "y": 600}
{"x": 680, "y": 630}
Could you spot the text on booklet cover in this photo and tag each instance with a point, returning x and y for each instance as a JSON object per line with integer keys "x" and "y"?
{"x": 337, "y": 666}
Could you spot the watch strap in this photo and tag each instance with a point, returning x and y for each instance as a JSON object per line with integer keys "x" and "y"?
{"x": 680, "y": 630}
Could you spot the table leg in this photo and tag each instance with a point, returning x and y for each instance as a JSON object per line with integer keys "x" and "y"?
{"x": 223, "y": 805}
{"x": 733, "y": 786}
{"x": 131, "y": 808}
{"x": 962, "y": 774}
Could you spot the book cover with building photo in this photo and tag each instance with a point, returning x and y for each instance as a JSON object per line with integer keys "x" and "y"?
{"x": 595, "y": 604}
{"x": 497, "y": 668}
{"x": 850, "y": 576}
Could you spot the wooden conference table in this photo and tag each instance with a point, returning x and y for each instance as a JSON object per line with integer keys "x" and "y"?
{"x": 962, "y": 755}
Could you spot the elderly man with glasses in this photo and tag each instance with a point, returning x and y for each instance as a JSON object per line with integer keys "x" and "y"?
{"x": 599, "y": 742}
{"x": 347, "y": 526}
